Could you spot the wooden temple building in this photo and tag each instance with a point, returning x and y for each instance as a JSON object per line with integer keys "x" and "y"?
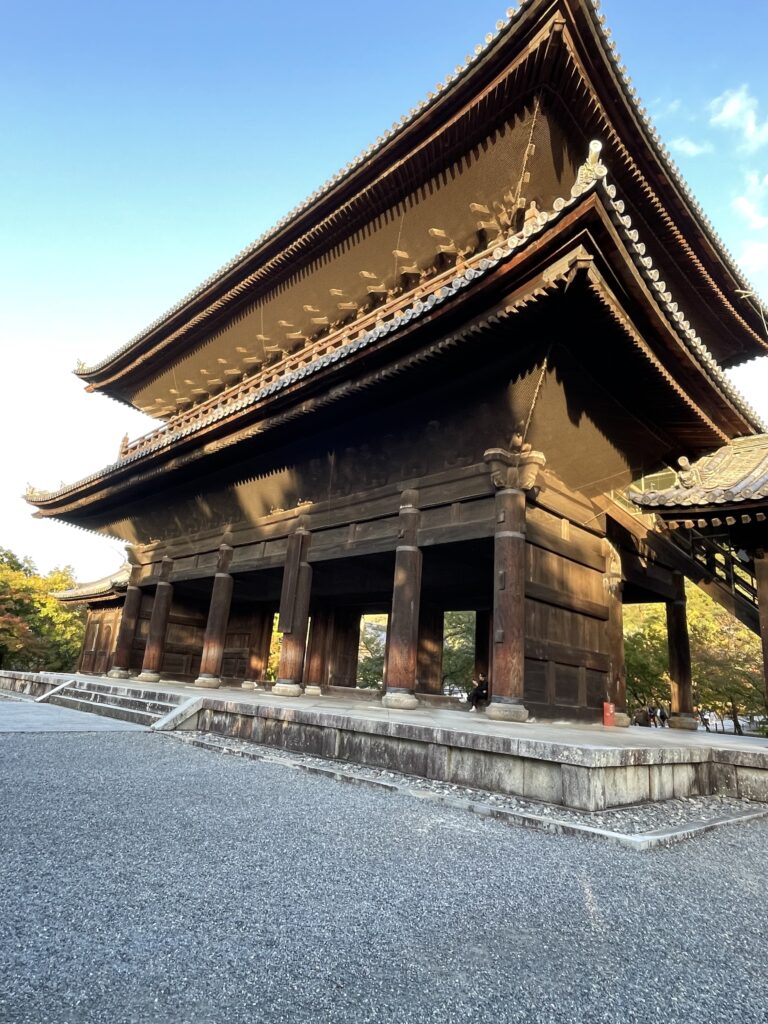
{"x": 453, "y": 378}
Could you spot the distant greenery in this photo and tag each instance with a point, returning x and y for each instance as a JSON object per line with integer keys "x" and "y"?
{"x": 37, "y": 632}
{"x": 726, "y": 658}
{"x": 370, "y": 662}
{"x": 458, "y": 650}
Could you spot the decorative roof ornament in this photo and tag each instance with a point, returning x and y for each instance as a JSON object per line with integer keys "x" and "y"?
{"x": 687, "y": 476}
{"x": 518, "y": 466}
{"x": 591, "y": 170}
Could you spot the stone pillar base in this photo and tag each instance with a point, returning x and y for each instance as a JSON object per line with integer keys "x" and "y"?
{"x": 621, "y": 721}
{"x": 683, "y": 721}
{"x": 148, "y": 677}
{"x": 312, "y": 691}
{"x": 208, "y": 682}
{"x": 501, "y": 711}
{"x": 400, "y": 700}
{"x": 118, "y": 673}
{"x": 285, "y": 688}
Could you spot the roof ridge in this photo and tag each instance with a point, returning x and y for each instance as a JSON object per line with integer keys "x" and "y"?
{"x": 335, "y": 179}
{"x": 502, "y": 29}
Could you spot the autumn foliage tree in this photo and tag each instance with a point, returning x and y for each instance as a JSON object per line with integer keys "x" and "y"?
{"x": 36, "y": 630}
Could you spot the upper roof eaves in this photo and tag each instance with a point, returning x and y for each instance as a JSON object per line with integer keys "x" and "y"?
{"x": 238, "y": 399}
{"x": 504, "y": 28}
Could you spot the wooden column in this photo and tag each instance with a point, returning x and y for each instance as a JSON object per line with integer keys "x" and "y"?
{"x": 158, "y": 626}
{"x": 258, "y": 648}
{"x": 218, "y": 619}
{"x": 508, "y": 645}
{"x": 126, "y": 632}
{"x": 483, "y": 628}
{"x": 514, "y": 472}
{"x": 761, "y": 575}
{"x": 614, "y": 585}
{"x": 680, "y": 658}
{"x": 508, "y": 641}
{"x": 429, "y": 672}
{"x": 344, "y": 647}
{"x": 403, "y": 633}
{"x": 294, "y": 613}
{"x": 316, "y": 668}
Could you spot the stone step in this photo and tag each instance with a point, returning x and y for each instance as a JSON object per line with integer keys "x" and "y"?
{"x": 121, "y": 690}
{"x": 107, "y": 710}
{"x": 130, "y": 701}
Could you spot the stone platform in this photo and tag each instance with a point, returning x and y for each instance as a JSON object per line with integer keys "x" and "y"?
{"x": 583, "y": 767}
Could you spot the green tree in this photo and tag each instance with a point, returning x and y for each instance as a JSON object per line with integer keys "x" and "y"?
{"x": 726, "y": 658}
{"x": 459, "y": 649}
{"x": 36, "y": 630}
{"x": 370, "y": 660}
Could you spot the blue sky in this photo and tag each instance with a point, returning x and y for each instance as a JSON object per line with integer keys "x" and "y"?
{"x": 143, "y": 145}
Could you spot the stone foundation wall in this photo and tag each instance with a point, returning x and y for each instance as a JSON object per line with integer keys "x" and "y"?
{"x": 584, "y": 778}
{"x": 30, "y": 684}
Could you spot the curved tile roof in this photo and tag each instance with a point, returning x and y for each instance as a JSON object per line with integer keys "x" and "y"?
{"x": 737, "y": 472}
{"x": 242, "y": 396}
{"x": 98, "y": 588}
{"x": 504, "y": 27}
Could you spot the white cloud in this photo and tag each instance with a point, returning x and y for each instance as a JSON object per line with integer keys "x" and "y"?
{"x": 664, "y": 108}
{"x": 751, "y": 379}
{"x": 736, "y": 109}
{"x": 754, "y": 257}
{"x": 688, "y": 147}
{"x": 749, "y": 206}
{"x": 751, "y": 213}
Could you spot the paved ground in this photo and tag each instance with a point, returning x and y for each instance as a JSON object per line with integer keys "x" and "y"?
{"x": 148, "y": 881}
{"x": 28, "y": 716}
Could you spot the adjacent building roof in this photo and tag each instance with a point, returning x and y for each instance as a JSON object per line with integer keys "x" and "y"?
{"x": 106, "y": 587}
{"x": 736, "y": 474}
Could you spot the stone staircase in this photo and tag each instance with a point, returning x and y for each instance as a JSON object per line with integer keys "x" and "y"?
{"x": 128, "y": 703}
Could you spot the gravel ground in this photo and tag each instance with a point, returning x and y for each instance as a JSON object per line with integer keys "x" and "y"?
{"x": 634, "y": 820}
{"x": 149, "y": 881}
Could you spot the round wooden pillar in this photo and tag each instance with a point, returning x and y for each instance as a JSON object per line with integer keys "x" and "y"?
{"x": 761, "y": 578}
{"x": 403, "y": 633}
{"x": 216, "y": 631}
{"x": 158, "y": 626}
{"x": 291, "y": 670}
{"x": 430, "y": 656}
{"x": 508, "y": 639}
{"x": 316, "y": 668}
{"x": 128, "y": 619}
{"x": 682, "y": 716}
{"x": 294, "y": 614}
{"x": 258, "y": 648}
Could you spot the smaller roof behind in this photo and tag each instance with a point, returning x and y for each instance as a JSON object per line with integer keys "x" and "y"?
{"x": 735, "y": 473}
{"x": 108, "y": 586}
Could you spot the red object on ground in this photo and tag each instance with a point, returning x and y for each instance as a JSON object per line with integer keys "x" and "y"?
{"x": 609, "y": 712}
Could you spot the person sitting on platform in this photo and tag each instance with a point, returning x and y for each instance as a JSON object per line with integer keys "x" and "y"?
{"x": 478, "y": 692}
